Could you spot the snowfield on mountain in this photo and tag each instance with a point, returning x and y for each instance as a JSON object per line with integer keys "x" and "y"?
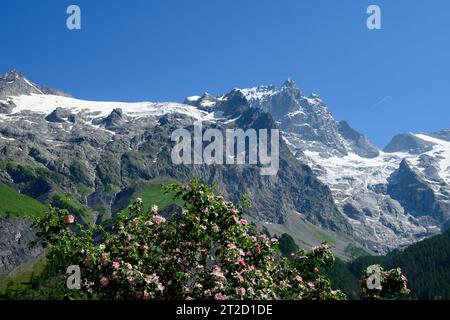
{"x": 331, "y": 176}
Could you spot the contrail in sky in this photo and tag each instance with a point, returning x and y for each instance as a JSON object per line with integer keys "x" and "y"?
{"x": 381, "y": 101}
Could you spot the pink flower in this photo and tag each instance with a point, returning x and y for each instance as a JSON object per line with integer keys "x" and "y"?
{"x": 148, "y": 223}
{"x": 310, "y": 284}
{"x": 203, "y": 227}
{"x": 104, "y": 281}
{"x": 219, "y": 296}
{"x": 240, "y": 292}
{"x": 205, "y": 210}
{"x": 231, "y": 246}
{"x": 244, "y": 222}
{"x": 116, "y": 264}
{"x": 217, "y": 272}
{"x": 258, "y": 249}
{"x": 177, "y": 251}
{"x": 161, "y": 287}
{"x": 146, "y": 295}
{"x": 316, "y": 269}
{"x": 128, "y": 248}
{"x": 69, "y": 219}
{"x": 240, "y": 262}
{"x": 159, "y": 219}
{"x": 234, "y": 211}
{"x": 299, "y": 279}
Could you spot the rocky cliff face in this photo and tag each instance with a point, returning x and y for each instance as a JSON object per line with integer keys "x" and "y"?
{"x": 408, "y": 143}
{"x": 15, "y": 237}
{"x": 369, "y": 185}
{"x": 13, "y": 83}
{"x": 330, "y": 174}
{"x": 99, "y": 152}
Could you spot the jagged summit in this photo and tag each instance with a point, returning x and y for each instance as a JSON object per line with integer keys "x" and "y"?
{"x": 290, "y": 84}
{"x": 13, "y": 74}
{"x": 13, "y": 83}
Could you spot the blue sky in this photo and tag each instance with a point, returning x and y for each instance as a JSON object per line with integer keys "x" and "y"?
{"x": 382, "y": 82}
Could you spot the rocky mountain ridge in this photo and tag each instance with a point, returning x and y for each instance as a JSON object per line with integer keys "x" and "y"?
{"x": 330, "y": 174}
{"x": 101, "y": 153}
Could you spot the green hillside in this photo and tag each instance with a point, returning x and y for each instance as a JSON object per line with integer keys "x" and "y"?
{"x": 153, "y": 193}
{"x": 14, "y": 204}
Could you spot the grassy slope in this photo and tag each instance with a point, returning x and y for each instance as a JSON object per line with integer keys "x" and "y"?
{"x": 153, "y": 193}
{"x": 74, "y": 207}
{"x": 14, "y": 204}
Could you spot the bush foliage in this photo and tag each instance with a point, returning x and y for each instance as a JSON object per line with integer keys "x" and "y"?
{"x": 207, "y": 251}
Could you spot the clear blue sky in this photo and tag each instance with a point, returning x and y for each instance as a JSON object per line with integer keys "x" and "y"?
{"x": 382, "y": 82}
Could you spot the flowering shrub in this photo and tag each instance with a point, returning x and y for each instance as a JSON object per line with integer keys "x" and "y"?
{"x": 392, "y": 284}
{"x": 208, "y": 251}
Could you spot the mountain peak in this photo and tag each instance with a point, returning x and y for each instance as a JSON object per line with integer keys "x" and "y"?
{"x": 290, "y": 83}
{"x": 13, "y": 83}
{"x": 13, "y": 74}
{"x": 313, "y": 95}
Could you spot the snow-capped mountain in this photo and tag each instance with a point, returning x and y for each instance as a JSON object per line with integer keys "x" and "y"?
{"x": 101, "y": 151}
{"x": 104, "y": 153}
{"x": 391, "y": 197}
{"x": 13, "y": 83}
